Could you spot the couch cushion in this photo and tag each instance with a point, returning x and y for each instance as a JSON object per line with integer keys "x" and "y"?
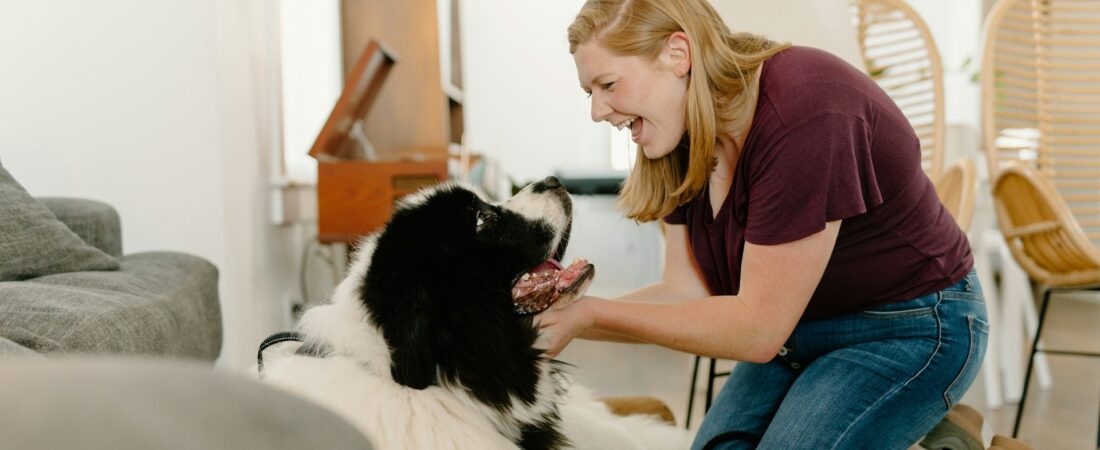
{"x": 159, "y": 303}
{"x": 130, "y": 404}
{"x": 34, "y": 243}
{"x": 96, "y": 223}
{"x": 9, "y": 348}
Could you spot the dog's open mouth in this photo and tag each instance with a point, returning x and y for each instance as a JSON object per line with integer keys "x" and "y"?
{"x": 550, "y": 283}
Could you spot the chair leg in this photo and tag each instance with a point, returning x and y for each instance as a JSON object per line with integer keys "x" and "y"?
{"x": 991, "y": 364}
{"x": 1031, "y": 362}
{"x": 691, "y": 391}
{"x": 710, "y": 386}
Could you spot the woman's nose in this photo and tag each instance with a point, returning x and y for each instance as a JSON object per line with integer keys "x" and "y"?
{"x": 600, "y": 110}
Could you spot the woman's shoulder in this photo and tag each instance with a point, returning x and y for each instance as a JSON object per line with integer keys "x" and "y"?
{"x": 808, "y": 63}
{"x": 801, "y": 82}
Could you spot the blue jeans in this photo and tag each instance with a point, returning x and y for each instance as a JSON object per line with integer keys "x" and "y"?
{"x": 878, "y": 379}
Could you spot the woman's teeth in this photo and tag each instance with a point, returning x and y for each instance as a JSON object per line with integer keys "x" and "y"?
{"x": 625, "y": 124}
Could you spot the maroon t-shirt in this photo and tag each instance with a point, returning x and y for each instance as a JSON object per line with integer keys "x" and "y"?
{"x": 827, "y": 144}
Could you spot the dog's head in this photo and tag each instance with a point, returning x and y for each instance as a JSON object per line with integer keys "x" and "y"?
{"x": 440, "y": 284}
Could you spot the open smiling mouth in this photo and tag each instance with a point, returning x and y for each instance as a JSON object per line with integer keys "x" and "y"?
{"x": 550, "y": 283}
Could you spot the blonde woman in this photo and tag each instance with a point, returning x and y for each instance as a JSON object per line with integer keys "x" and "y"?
{"x": 802, "y": 237}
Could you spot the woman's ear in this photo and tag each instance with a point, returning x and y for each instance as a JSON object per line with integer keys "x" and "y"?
{"x": 677, "y": 53}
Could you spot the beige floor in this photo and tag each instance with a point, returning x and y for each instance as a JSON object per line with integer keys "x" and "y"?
{"x": 1063, "y": 417}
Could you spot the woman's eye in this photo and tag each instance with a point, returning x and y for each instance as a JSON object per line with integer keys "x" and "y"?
{"x": 608, "y": 86}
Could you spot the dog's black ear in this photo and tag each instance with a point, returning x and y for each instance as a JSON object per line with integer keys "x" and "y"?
{"x": 413, "y": 356}
{"x": 413, "y": 360}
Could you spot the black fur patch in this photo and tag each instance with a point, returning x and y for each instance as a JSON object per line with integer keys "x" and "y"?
{"x": 439, "y": 288}
{"x": 543, "y": 436}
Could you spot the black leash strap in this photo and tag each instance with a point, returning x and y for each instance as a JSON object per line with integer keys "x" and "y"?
{"x": 282, "y": 336}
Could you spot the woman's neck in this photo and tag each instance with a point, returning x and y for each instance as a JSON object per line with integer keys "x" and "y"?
{"x": 726, "y": 153}
{"x": 729, "y": 147}
{"x": 732, "y": 140}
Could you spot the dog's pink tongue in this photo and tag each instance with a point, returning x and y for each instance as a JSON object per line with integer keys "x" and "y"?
{"x": 541, "y": 287}
{"x": 569, "y": 275}
{"x": 550, "y": 265}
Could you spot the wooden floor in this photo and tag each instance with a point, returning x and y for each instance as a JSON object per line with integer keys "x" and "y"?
{"x": 1063, "y": 417}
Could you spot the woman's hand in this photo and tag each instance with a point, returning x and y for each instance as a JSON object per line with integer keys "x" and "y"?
{"x": 558, "y": 326}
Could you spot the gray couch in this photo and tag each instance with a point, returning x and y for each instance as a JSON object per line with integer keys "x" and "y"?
{"x": 130, "y": 339}
{"x": 155, "y": 304}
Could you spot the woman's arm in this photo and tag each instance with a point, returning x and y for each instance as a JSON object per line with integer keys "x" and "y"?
{"x": 681, "y": 280}
{"x": 777, "y": 282}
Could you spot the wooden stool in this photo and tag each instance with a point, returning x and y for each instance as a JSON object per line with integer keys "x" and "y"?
{"x": 626, "y": 406}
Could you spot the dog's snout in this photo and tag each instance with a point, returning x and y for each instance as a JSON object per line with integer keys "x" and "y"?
{"x": 548, "y": 183}
{"x": 545, "y": 200}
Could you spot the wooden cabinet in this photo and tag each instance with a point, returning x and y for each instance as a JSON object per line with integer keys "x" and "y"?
{"x": 411, "y": 111}
{"x": 355, "y": 198}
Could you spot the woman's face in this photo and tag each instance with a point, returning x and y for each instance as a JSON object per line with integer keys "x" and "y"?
{"x": 647, "y": 96}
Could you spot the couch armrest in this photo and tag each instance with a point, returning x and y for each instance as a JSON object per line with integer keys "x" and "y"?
{"x": 97, "y": 223}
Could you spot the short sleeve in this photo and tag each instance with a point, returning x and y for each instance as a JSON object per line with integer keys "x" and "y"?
{"x": 818, "y": 170}
{"x": 678, "y": 216}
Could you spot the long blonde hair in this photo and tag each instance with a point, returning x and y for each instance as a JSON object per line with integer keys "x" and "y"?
{"x": 723, "y": 67}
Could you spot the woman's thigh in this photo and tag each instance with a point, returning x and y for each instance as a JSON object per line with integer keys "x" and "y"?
{"x": 745, "y": 406}
{"x": 850, "y": 399}
{"x": 877, "y": 379}
{"x": 885, "y": 393}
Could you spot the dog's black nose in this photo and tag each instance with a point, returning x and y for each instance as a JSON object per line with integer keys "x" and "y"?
{"x": 550, "y": 183}
{"x": 547, "y": 184}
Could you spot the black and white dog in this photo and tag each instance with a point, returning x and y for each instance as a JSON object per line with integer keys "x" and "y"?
{"x": 421, "y": 346}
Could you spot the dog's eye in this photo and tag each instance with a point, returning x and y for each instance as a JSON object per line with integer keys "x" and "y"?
{"x": 484, "y": 217}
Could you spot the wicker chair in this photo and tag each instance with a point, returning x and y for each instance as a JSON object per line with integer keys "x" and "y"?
{"x": 900, "y": 55}
{"x": 957, "y": 189}
{"x": 1041, "y": 129}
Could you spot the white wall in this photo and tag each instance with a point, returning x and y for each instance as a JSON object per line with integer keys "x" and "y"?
{"x": 313, "y": 75}
{"x": 823, "y": 24}
{"x": 117, "y": 101}
{"x": 956, "y": 28}
{"x": 167, "y": 110}
{"x": 523, "y": 102}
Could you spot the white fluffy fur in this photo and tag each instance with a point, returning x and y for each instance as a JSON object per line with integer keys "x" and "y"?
{"x": 356, "y": 383}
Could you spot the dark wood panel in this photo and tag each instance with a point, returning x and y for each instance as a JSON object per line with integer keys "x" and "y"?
{"x": 411, "y": 110}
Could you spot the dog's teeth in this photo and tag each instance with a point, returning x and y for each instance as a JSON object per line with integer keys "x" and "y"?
{"x": 526, "y": 276}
